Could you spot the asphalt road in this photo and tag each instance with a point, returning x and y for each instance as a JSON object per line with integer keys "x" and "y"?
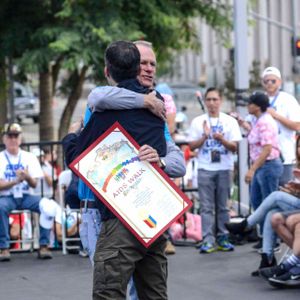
{"x": 192, "y": 276}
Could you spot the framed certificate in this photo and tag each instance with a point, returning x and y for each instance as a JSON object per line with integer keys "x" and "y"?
{"x": 139, "y": 193}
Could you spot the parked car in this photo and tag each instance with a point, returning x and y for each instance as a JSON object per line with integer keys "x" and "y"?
{"x": 26, "y": 104}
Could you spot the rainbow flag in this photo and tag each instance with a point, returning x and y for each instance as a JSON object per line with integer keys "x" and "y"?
{"x": 150, "y": 221}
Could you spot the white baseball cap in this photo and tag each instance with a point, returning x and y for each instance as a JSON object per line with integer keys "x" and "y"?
{"x": 38, "y": 152}
{"x": 271, "y": 71}
{"x": 48, "y": 208}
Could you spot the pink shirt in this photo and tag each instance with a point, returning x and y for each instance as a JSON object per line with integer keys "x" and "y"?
{"x": 264, "y": 132}
{"x": 169, "y": 104}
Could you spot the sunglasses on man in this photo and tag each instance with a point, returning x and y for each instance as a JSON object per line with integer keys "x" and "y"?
{"x": 266, "y": 81}
{"x": 13, "y": 135}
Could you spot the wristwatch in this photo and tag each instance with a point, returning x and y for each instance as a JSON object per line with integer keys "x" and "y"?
{"x": 162, "y": 163}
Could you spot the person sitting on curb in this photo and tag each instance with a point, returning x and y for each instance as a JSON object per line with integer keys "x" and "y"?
{"x": 19, "y": 172}
{"x": 287, "y": 273}
{"x": 275, "y": 202}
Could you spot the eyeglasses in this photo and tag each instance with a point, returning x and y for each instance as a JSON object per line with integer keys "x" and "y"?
{"x": 211, "y": 99}
{"x": 13, "y": 135}
{"x": 266, "y": 81}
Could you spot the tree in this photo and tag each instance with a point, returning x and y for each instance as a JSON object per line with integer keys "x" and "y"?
{"x": 229, "y": 86}
{"x": 3, "y": 93}
{"x": 19, "y": 22}
{"x": 72, "y": 36}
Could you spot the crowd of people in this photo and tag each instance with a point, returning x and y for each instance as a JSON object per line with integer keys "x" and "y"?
{"x": 27, "y": 179}
{"x": 28, "y": 183}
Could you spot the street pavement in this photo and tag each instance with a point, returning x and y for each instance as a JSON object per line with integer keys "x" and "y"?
{"x": 191, "y": 277}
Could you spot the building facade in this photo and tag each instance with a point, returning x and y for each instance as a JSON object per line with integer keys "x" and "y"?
{"x": 271, "y": 26}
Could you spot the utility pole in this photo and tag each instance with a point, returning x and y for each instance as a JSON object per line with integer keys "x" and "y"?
{"x": 241, "y": 88}
{"x": 296, "y": 61}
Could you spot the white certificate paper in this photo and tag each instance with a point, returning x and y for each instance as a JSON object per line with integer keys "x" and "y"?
{"x": 140, "y": 194}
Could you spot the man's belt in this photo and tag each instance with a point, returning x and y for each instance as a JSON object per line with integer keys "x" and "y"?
{"x": 87, "y": 204}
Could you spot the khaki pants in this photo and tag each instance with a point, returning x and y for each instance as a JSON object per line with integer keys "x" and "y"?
{"x": 119, "y": 255}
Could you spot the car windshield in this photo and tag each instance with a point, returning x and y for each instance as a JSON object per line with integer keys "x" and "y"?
{"x": 22, "y": 90}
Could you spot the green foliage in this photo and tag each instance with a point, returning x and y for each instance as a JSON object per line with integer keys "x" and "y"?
{"x": 73, "y": 34}
{"x": 40, "y": 32}
{"x": 255, "y": 79}
{"x": 229, "y": 85}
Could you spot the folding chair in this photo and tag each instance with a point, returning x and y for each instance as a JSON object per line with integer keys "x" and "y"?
{"x": 26, "y": 242}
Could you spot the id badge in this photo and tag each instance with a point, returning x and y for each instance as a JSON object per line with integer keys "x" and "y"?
{"x": 215, "y": 156}
{"x": 17, "y": 191}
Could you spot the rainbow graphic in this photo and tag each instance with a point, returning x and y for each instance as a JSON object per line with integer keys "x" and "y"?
{"x": 118, "y": 168}
{"x": 150, "y": 221}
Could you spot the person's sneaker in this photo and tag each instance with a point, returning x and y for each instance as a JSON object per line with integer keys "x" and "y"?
{"x": 290, "y": 279}
{"x": 264, "y": 263}
{"x": 170, "y": 248}
{"x": 223, "y": 244}
{"x": 207, "y": 247}
{"x": 198, "y": 245}
{"x": 273, "y": 271}
{"x": 44, "y": 253}
{"x": 237, "y": 227}
{"x": 4, "y": 255}
{"x": 83, "y": 253}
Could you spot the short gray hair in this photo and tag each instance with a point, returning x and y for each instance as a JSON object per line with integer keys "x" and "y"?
{"x": 143, "y": 43}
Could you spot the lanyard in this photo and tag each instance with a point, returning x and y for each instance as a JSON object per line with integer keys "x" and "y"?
{"x": 272, "y": 104}
{"x": 11, "y": 165}
{"x": 210, "y": 124}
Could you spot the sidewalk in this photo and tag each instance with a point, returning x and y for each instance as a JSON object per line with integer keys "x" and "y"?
{"x": 191, "y": 277}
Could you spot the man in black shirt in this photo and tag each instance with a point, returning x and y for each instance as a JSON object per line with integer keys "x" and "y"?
{"x": 118, "y": 253}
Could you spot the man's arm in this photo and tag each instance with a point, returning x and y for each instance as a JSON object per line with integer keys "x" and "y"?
{"x": 24, "y": 175}
{"x": 6, "y": 185}
{"x": 292, "y": 125}
{"x": 174, "y": 160}
{"x": 112, "y": 97}
{"x": 69, "y": 142}
{"x": 21, "y": 176}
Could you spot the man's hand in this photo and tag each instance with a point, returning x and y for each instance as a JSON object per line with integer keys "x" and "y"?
{"x": 272, "y": 112}
{"x": 249, "y": 175}
{"x": 24, "y": 175}
{"x": 296, "y": 173}
{"x": 293, "y": 186}
{"x": 218, "y": 136}
{"x": 156, "y": 106}
{"x": 76, "y": 126}
{"x": 147, "y": 153}
{"x": 21, "y": 175}
{"x": 206, "y": 129}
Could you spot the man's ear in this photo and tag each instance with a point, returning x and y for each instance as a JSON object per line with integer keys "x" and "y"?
{"x": 106, "y": 73}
